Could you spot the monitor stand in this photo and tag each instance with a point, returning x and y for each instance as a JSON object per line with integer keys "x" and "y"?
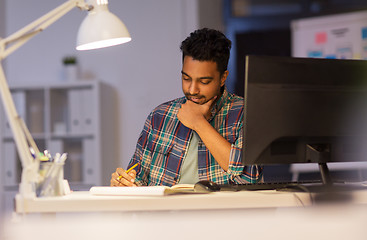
{"x": 320, "y": 153}
{"x": 325, "y": 174}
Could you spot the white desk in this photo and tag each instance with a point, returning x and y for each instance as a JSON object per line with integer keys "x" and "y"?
{"x": 85, "y": 202}
{"x": 224, "y": 215}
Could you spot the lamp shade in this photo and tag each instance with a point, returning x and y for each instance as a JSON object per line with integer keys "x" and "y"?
{"x": 101, "y": 29}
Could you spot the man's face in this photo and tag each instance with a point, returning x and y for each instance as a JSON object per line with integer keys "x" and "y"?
{"x": 201, "y": 80}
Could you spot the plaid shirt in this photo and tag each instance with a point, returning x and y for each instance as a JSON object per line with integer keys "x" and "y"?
{"x": 164, "y": 141}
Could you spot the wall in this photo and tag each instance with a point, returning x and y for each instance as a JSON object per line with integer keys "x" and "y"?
{"x": 210, "y": 14}
{"x": 144, "y": 72}
{"x": 2, "y": 33}
{"x": 2, "y": 18}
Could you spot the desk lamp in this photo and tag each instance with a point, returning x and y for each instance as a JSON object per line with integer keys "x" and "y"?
{"x": 99, "y": 29}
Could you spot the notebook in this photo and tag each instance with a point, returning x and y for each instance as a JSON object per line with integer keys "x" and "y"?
{"x": 142, "y": 191}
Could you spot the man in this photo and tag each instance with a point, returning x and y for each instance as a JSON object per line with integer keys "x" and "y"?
{"x": 199, "y": 136}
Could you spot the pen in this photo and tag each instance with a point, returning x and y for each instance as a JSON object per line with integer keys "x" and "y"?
{"x": 47, "y": 154}
{"x": 33, "y": 153}
{"x": 127, "y": 171}
{"x": 63, "y": 158}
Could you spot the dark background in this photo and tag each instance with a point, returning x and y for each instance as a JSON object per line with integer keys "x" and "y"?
{"x": 266, "y": 31}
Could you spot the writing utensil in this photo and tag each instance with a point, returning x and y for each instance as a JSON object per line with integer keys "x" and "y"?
{"x": 42, "y": 157}
{"x": 127, "y": 171}
{"x": 33, "y": 153}
{"x": 47, "y": 154}
{"x": 62, "y": 158}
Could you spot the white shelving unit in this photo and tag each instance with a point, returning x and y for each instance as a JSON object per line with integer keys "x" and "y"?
{"x": 78, "y": 118}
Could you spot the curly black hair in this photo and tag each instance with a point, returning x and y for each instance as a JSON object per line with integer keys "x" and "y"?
{"x": 208, "y": 45}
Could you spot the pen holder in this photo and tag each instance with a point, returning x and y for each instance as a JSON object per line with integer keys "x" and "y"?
{"x": 52, "y": 177}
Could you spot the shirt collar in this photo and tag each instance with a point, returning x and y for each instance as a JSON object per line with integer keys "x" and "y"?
{"x": 219, "y": 103}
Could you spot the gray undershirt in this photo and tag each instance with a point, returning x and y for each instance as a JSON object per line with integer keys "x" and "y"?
{"x": 189, "y": 169}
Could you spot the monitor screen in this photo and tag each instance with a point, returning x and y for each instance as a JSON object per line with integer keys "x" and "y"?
{"x": 304, "y": 110}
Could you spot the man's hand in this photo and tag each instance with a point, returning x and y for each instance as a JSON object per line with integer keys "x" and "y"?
{"x": 196, "y": 117}
{"x": 122, "y": 179}
{"x": 191, "y": 114}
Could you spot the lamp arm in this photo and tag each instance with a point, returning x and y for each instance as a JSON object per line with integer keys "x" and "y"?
{"x": 22, "y": 137}
{"x": 12, "y": 114}
{"x": 26, "y": 33}
{"x": 29, "y": 165}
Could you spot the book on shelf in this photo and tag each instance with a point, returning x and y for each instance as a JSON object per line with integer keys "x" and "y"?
{"x": 142, "y": 191}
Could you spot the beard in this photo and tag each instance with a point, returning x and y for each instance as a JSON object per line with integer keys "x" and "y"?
{"x": 198, "y": 99}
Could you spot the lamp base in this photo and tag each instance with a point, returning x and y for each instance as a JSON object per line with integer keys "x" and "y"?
{"x": 27, "y": 190}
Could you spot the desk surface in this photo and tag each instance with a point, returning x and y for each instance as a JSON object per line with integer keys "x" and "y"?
{"x": 83, "y": 201}
{"x": 222, "y": 215}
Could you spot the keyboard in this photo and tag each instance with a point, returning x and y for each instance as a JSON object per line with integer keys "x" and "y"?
{"x": 268, "y": 186}
{"x": 300, "y": 186}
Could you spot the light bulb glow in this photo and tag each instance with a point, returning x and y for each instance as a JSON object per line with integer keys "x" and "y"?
{"x": 103, "y": 43}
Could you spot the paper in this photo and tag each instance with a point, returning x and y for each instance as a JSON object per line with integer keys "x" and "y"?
{"x": 141, "y": 191}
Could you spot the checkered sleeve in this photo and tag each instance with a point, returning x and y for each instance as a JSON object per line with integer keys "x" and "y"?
{"x": 142, "y": 154}
{"x": 238, "y": 172}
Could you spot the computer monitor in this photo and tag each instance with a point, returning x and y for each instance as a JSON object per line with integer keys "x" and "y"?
{"x": 304, "y": 110}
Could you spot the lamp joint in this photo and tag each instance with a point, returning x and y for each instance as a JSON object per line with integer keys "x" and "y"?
{"x": 84, "y": 6}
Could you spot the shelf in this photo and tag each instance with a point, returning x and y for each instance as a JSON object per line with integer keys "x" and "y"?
{"x": 70, "y": 135}
{"x": 64, "y": 117}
